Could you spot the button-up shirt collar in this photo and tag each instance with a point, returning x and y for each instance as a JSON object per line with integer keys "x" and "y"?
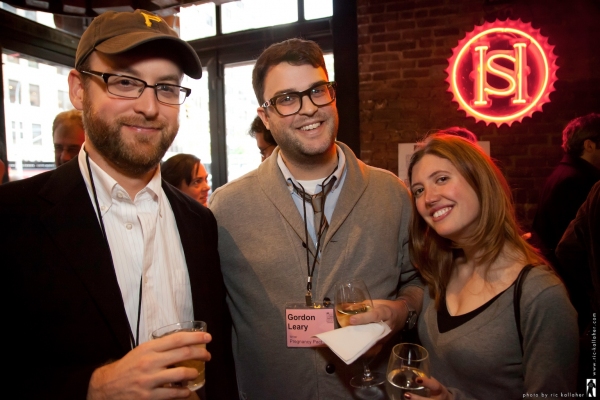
{"x": 332, "y": 197}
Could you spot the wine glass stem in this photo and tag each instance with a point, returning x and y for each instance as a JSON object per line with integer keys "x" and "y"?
{"x": 367, "y": 376}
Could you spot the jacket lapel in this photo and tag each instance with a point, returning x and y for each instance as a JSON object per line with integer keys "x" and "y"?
{"x": 355, "y": 184}
{"x": 73, "y": 225}
{"x": 192, "y": 241}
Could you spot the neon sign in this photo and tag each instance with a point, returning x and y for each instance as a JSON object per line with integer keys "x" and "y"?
{"x": 502, "y": 72}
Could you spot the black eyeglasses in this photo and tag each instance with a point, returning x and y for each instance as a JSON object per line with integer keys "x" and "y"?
{"x": 290, "y": 103}
{"x": 132, "y": 88}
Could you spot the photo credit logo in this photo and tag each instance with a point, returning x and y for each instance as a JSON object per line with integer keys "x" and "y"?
{"x": 590, "y": 388}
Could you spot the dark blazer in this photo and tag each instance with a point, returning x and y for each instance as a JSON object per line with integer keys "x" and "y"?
{"x": 564, "y": 192}
{"x": 64, "y": 312}
{"x": 579, "y": 248}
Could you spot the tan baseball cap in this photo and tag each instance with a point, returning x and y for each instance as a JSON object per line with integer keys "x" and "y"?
{"x": 118, "y": 32}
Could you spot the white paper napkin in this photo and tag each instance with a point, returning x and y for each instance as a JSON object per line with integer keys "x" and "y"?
{"x": 353, "y": 341}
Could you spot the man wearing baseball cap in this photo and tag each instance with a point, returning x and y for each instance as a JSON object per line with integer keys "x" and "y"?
{"x": 101, "y": 252}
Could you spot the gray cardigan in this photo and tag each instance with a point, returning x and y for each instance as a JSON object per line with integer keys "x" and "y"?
{"x": 264, "y": 266}
{"x": 481, "y": 359}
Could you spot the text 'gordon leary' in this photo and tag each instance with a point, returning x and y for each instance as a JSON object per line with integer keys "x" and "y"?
{"x": 302, "y": 317}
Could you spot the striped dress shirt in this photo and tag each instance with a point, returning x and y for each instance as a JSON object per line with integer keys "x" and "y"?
{"x": 146, "y": 250}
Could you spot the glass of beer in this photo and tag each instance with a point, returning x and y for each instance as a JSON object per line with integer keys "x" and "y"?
{"x": 408, "y": 362}
{"x": 187, "y": 326}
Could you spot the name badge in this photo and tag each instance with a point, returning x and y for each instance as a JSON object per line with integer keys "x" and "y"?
{"x": 303, "y": 322}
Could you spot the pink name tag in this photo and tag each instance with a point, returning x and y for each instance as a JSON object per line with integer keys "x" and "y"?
{"x": 302, "y": 323}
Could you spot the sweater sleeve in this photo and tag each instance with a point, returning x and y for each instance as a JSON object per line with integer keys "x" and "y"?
{"x": 550, "y": 340}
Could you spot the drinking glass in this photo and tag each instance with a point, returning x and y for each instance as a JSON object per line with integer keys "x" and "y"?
{"x": 408, "y": 362}
{"x": 351, "y": 298}
{"x": 187, "y": 326}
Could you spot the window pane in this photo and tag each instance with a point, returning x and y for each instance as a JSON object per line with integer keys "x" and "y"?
{"x": 34, "y": 93}
{"x": 329, "y": 64}
{"x": 240, "y": 109}
{"x": 36, "y": 134}
{"x": 29, "y": 126}
{"x": 14, "y": 91}
{"x": 64, "y": 102}
{"x": 250, "y": 14}
{"x": 314, "y": 9}
{"x": 194, "y": 124}
{"x": 197, "y": 22}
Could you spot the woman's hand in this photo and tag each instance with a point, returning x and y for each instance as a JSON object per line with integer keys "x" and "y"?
{"x": 437, "y": 391}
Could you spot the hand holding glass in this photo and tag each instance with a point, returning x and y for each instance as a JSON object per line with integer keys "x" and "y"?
{"x": 408, "y": 362}
{"x": 351, "y": 298}
{"x": 187, "y": 326}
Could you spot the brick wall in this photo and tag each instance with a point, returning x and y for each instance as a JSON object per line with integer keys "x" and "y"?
{"x": 403, "y": 50}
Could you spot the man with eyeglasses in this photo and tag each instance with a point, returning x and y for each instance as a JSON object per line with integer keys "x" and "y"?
{"x": 307, "y": 218}
{"x": 101, "y": 252}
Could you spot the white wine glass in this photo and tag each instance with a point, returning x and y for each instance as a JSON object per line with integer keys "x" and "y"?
{"x": 408, "y": 362}
{"x": 351, "y": 298}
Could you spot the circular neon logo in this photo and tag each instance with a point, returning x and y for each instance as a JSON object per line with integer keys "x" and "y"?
{"x": 502, "y": 72}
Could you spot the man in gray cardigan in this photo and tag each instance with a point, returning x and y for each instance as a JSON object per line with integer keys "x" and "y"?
{"x": 311, "y": 197}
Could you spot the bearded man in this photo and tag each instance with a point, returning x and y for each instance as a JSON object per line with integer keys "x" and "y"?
{"x": 101, "y": 252}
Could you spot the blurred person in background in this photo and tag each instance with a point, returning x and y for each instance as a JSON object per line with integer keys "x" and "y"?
{"x": 564, "y": 192}
{"x": 579, "y": 251}
{"x": 68, "y": 135}
{"x": 186, "y": 173}
{"x": 264, "y": 140}
{"x": 462, "y": 132}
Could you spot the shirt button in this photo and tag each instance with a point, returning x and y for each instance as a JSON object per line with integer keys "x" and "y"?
{"x": 103, "y": 208}
{"x": 128, "y": 226}
{"x": 330, "y": 368}
{"x": 120, "y": 195}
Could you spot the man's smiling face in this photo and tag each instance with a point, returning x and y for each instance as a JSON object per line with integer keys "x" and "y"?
{"x": 310, "y": 132}
{"x": 133, "y": 134}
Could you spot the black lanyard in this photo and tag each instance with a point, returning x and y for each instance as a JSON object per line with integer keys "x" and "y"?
{"x": 135, "y": 341}
{"x": 318, "y": 233}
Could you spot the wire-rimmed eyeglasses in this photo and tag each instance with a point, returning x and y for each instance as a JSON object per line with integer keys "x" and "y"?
{"x": 132, "y": 88}
{"x": 290, "y": 103}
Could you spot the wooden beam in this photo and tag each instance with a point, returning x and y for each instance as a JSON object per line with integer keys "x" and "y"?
{"x": 28, "y": 37}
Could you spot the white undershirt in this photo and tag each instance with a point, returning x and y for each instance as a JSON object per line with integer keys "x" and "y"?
{"x": 310, "y": 187}
{"x": 143, "y": 236}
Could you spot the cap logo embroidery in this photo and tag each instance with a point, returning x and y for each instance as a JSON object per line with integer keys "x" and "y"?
{"x": 149, "y": 18}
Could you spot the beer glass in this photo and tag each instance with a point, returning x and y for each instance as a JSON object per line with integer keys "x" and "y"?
{"x": 187, "y": 326}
